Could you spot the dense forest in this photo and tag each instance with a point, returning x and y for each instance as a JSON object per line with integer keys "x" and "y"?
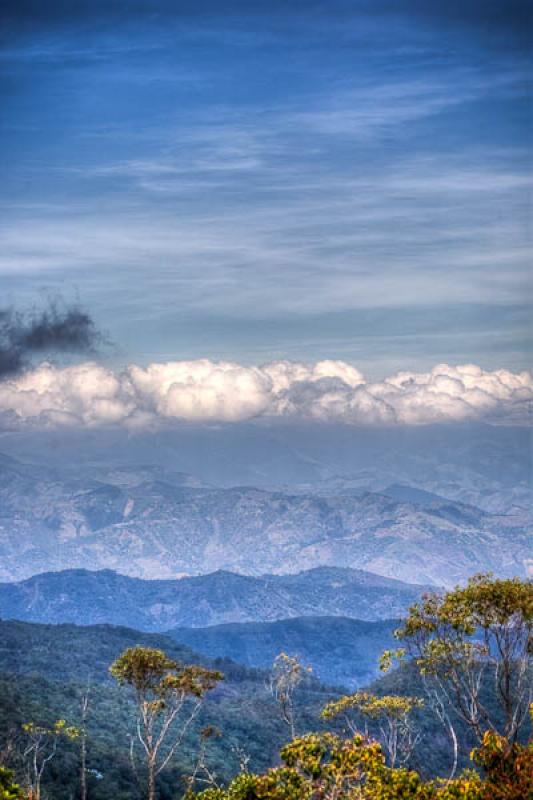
{"x": 101, "y": 711}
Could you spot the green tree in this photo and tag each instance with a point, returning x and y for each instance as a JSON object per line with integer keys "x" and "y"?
{"x": 390, "y": 718}
{"x": 41, "y": 747}
{"x": 508, "y": 768}
{"x": 84, "y": 709}
{"x": 168, "y": 697}
{"x": 202, "y": 772}
{"x": 8, "y": 789}
{"x": 327, "y": 767}
{"x": 286, "y": 675}
{"x": 461, "y": 640}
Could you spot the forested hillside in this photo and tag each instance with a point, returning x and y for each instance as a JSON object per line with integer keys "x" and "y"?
{"x": 340, "y": 651}
{"x": 92, "y": 697}
{"x": 45, "y": 670}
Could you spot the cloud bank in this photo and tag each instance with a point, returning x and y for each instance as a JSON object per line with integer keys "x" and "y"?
{"x": 90, "y": 394}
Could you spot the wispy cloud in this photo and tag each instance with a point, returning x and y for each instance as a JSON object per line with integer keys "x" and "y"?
{"x": 369, "y": 110}
{"x": 285, "y": 166}
{"x": 421, "y": 230}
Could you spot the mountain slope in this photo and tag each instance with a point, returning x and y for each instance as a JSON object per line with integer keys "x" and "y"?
{"x": 84, "y": 597}
{"x": 340, "y": 651}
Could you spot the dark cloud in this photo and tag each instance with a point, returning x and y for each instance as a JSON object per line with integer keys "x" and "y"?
{"x": 55, "y": 328}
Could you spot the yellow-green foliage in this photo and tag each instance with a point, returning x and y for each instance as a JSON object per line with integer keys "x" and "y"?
{"x": 9, "y": 790}
{"x": 151, "y": 673}
{"x": 162, "y": 687}
{"x": 509, "y": 768}
{"x": 390, "y": 715}
{"x": 484, "y": 604}
{"x": 59, "y": 728}
{"x": 482, "y": 629}
{"x": 372, "y": 706}
{"x": 327, "y": 767}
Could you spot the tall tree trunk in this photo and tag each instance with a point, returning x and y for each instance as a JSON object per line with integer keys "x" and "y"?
{"x": 83, "y": 774}
{"x": 455, "y": 749}
{"x": 37, "y": 777}
{"x": 151, "y": 780}
{"x": 83, "y": 753}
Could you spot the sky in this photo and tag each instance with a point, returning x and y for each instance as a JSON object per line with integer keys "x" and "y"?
{"x": 254, "y": 182}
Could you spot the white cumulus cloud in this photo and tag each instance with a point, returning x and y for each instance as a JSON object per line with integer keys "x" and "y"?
{"x": 90, "y": 394}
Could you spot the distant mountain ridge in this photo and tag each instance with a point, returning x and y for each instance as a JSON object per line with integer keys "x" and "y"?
{"x": 87, "y": 598}
{"x": 483, "y": 465}
{"x": 160, "y": 523}
{"x": 411, "y": 494}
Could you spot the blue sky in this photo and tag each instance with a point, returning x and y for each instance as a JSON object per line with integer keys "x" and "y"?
{"x": 254, "y": 181}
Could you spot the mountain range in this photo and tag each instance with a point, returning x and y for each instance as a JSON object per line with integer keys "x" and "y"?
{"x": 488, "y": 466}
{"x": 87, "y": 598}
{"x": 157, "y": 522}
